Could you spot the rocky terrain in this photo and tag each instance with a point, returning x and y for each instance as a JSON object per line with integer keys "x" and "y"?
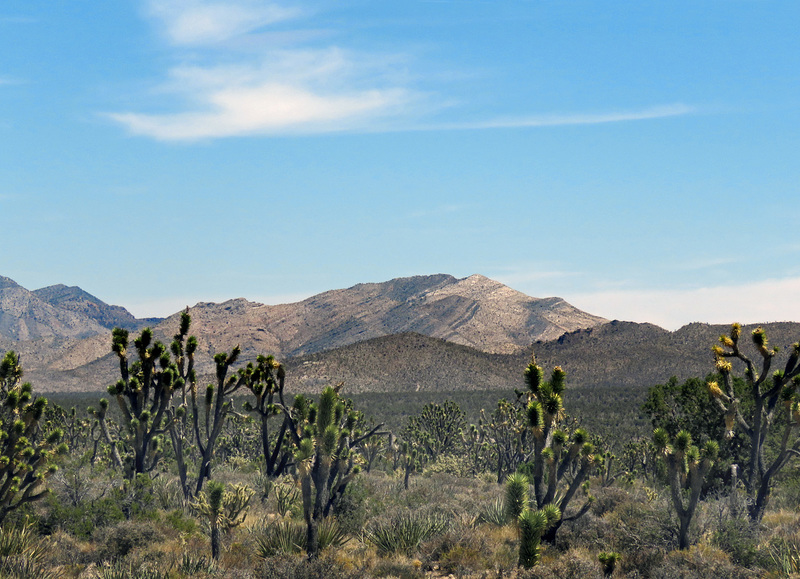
{"x": 475, "y": 311}
{"x": 424, "y": 333}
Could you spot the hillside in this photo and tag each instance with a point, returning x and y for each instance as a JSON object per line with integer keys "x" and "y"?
{"x": 477, "y": 312}
{"x": 74, "y": 299}
{"x": 419, "y": 334}
{"x": 26, "y": 316}
{"x": 618, "y": 354}
{"x": 474, "y": 311}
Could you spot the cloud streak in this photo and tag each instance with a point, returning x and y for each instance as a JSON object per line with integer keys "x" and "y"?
{"x": 567, "y": 119}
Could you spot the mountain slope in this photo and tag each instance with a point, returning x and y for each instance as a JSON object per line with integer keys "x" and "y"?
{"x": 617, "y": 354}
{"x": 25, "y": 316}
{"x": 473, "y": 311}
{"x": 74, "y": 299}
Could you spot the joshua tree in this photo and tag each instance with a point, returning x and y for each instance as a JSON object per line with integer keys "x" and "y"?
{"x": 436, "y": 429}
{"x": 516, "y": 500}
{"x": 27, "y": 451}
{"x": 144, "y": 393}
{"x": 217, "y": 405}
{"x": 687, "y": 467}
{"x": 410, "y": 460}
{"x": 324, "y": 435}
{"x": 268, "y": 391}
{"x": 507, "y": 436}
{"x": 561, "y": 462}
{"x": 770, "y": 396}
{"x": 223, "y": 509}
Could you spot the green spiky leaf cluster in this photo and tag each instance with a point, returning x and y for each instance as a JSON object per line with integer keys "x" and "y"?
{"x": 27, "y": 449}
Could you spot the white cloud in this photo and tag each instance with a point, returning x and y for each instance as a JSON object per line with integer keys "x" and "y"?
{"x": 193, "y": 22}
{"x": 264, "y": 89}
{"x": 268, "y": 108}
{"x": 767, "y": 301}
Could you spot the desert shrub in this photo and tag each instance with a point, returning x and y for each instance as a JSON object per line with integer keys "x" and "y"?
{"x": 64, "y": 549}
{"x": 398, "y": 568}
{"x": 178, "y": 520}
{"x": 638, "y": 524}
{"x": 119, "y": 540}
{"x": 574, "y": 564}
{"x": 404, "y": 533}
{"x": 607, "y": 499}
{"x": 351, "y": 508}
{"x": 740, "y": 541}
{"x": 699, "y": 562}
{"x": 460, "y": 550}
{"x": 457, "y": 465}
{"x": 81, "y": 520}
{"x": 298, "y": 567}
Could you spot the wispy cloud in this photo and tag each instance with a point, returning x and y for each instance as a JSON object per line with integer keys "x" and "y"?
{"x": 766, "y": 301}
{"x": 565, "y": 119}
{"x": 250, "y": 75}
{"x": 270, "y": 88}
{"x": 194, "y": 22}
{"x": 7, "y": 81}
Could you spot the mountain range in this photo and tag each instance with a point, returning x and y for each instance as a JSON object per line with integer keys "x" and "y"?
{"x": 432, "y": 333}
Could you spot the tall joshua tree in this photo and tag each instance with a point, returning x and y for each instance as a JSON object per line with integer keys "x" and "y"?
{"x": 27, "y": 451}
{"x": 556, "y": 454}
{"x": 217, "y": 405}
{"x": 324, "y": 435}
{"x": 687, "y": 467}
{"x": 144, "y": 393}
{"x": 267, "y": 389}
{"x": 771, "y": 395}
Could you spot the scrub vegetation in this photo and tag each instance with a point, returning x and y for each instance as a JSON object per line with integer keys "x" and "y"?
{"x": 167, "y": 478}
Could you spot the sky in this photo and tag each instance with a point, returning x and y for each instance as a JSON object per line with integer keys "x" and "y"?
{"x": 638, "y": 159}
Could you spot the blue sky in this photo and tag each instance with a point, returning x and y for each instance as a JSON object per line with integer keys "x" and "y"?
{"x": 639, "y": 159}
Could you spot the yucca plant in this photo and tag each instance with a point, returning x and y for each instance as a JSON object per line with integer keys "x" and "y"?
{"x": 404, "y": 534}
{"x": 516, "y": 495}
{"x": 281, "y": 537}
{"x": 331, "y": 534}
{"x": 608, "y": 561}
{"x": 191, "y": 565}
{"x": 494, "y": 513}
{"x": 119, "y": 570}
{"x": 786, "y": 556}
{"x": 532, "y": 525}
{"x": 20, "y": 567}
{"x": 22, "y": 553}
